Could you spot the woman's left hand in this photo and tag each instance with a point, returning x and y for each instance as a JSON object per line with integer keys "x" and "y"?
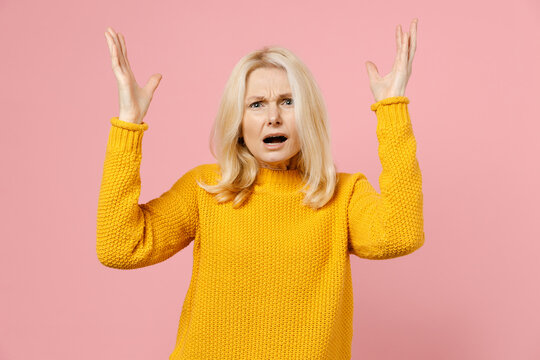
{"x": 394, "y": 83}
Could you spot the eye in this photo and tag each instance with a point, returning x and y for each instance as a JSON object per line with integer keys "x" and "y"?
{"x": 290, "y": 101}
{"x": 251, "y": 106}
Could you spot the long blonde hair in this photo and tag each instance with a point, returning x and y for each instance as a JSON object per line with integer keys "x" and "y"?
{"x": 238, "y": 166}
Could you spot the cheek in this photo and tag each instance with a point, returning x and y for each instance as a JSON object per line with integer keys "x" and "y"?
{"x": 292, "y": 128}
{"x": 245, "y": 124}
{"x": 249, "y": 129}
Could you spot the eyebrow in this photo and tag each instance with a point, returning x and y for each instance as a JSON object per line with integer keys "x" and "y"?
{"x": 262, "y": 97}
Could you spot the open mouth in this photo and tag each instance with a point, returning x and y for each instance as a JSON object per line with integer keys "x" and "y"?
{"x": 275, "y": 139}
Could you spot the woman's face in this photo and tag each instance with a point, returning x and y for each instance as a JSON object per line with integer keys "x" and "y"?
{"x": 269, "y": 109}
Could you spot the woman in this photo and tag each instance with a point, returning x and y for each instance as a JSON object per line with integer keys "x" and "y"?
{"x": 273, "y": 223}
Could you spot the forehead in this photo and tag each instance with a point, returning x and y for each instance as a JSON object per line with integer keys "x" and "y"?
{"x": 267, "y": 79}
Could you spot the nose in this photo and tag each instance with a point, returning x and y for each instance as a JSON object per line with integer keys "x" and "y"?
{"x": 273, "y": 116}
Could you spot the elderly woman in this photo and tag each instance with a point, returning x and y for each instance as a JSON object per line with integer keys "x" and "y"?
{"x": 272, "y": 222}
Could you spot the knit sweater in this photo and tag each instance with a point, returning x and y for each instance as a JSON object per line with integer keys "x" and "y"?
{"x": 272, "y": 278}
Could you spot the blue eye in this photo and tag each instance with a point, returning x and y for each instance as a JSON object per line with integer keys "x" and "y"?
{"x": 257, "y": 102}
{"x": 254, "y": 104}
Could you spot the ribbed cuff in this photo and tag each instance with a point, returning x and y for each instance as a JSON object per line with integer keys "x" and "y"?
{"x": 389, "y": 101}
{"x": 126, "y": 136}
{"x": 392, "y": 112}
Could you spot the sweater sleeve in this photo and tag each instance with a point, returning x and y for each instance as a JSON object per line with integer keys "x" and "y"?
{"x": 132, "y": 235}
{"x": 389, "y": 224}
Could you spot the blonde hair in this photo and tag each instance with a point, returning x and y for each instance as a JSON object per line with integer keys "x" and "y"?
{"x": 239, "y": 167}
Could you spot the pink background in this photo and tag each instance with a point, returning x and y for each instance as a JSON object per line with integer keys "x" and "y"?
{"x": 472, "y": 291}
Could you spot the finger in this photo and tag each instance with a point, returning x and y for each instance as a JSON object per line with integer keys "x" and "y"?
{"x": 401, "y": 58}
{"x": 405, "y": 51}
{"x": 108, "y": 42}
{"x": 413, "y": 45}
{"x": 373, "y": 72}
{"x": 116, "y": 48}
{"x": 399, "y": 53}
{"x": 112, "y": 49}
{"x": 119, "y": 54}
{"x": 116, "y": 59}
{"x": 152, "y": 83}
{"x": 112, "y": 33}
{"x": 124, "y": 48}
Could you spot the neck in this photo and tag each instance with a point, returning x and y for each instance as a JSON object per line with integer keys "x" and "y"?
{"x": 275, "y": 167}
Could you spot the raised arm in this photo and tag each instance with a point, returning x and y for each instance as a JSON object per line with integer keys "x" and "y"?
{"x": 132, "y": 235}
{"x": 389, "y": 224}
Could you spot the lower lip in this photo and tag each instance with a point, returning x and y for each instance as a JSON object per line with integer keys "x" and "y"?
{"x": 274, "y": 146}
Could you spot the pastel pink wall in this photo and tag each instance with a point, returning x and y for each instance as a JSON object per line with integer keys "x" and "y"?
{"x": 472, "y": 291}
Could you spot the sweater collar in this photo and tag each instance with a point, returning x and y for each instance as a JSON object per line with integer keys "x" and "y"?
{"x": 270, "y": 176}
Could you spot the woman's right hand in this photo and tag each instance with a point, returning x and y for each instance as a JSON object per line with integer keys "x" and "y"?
{"x": 134, "y": 100}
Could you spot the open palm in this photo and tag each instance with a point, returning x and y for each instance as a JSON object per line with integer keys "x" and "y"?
{"x": 395, "y": 82}
{"x": 134, "y": 100}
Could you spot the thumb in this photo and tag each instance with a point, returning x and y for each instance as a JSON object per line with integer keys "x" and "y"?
{"x": 153, "y": 83}
{"x": 372, "y": 70}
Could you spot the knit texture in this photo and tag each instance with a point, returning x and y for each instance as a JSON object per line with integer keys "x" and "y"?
{"x": 271, "y": 279}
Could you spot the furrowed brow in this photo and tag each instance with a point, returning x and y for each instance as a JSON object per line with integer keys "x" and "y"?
{"x": 251, "y": 98}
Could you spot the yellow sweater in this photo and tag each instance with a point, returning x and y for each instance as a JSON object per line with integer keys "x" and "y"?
{"x": 271, "y": 279}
